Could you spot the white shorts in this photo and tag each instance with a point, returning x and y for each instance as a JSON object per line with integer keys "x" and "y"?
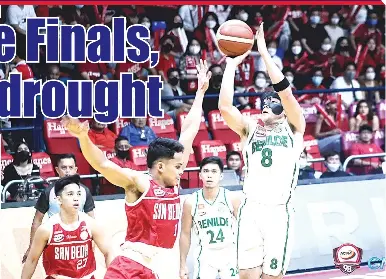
{"x": 265, "y": 238}
{"x": 209, "y": 264}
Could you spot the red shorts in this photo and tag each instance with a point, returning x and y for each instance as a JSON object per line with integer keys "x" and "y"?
{"x": 49, "y": 277}
{"x": 125, "y": 268}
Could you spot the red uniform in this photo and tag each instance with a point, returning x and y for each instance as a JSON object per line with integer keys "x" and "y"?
{"x": 152, "y": 230}
{"x": 69, "y": 252}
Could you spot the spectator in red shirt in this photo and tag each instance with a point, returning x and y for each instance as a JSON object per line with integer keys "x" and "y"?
{"x": 139, "y": 70}
{"x": 93, "y": 71}
{"x": 290, "y": 75}
{"x": 101, "y": 136}
{"x": 122, "y": 147}
{"x": 315, "y": 83}
{"x": 375, "y": 55}
{"x": 324, "y": 58}
{"x": 297, "y": 58}
{"x": 368, "y": 80}
{"x": 366, "y": 146}
{"x": 364, "y": 115}
{"x": 244, "y": 74}
{"x": 365, "y": 31}
{"x": 176, "y": 30}
{"x": 166, "y": 59}
{"x": 187, "y": 66}
{"x": 260, "y": 85}
{"x": 344, "y": 54}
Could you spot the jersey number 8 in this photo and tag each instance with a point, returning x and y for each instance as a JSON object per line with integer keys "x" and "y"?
{"x": 266, "y": 157}
{"x": 219, "y": 237}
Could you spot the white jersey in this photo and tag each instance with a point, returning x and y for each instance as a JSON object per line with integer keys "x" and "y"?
{"x": 271, "y": 158}
{"x": 213, "y": 223}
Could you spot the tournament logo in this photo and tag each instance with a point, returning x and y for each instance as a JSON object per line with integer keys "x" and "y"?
{"x": 58, "y": 237}
{"x": 347, "y": 257}
{"x": 159, "y": 192}
{"x": 84, "y": 235}
{"x": 201, "y": 209}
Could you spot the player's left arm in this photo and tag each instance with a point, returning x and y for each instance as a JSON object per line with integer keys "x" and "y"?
{"x": 236, "y": 201}
{"x": 281, "y": 85}
{"x": 185, "y": 237}
{"x": 38, "y": 244}
{"x": 102, "y": 240}
{"x": 192, "y": 122}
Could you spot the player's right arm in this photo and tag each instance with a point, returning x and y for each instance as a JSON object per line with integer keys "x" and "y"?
{"x": 38, "y": 244}
{"x": 122, "y": 177}
{"x": 185, "y": 237}
{"x": 232, "y": 116}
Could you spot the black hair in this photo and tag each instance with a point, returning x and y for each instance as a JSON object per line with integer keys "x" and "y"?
{"x": 162, "y": 148}
{"x": 120, "y": 138}
{"x": 63, "y": 182}
{"x": 330, "y": 154}
{"x": 365, "y": 127}
{"x": 65, "y": 156}
{"x": 171, "y": 70}
{"x": 350, "y": 64}
{"x": 212, "y": 160}
{"x": 231, "y": 153}
{"x": 370, "y": 115}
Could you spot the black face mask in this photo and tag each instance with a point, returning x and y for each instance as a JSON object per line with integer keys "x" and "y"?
{"x": 174, "y": 81}
{"x": 22, "y": 156}
{"x": 178, "y": 25}
{"x": 122, "y": 154}
{"x": 166, "y": 48}
{"x": 276, "y": 108}
{"x": 216, "y": 79}
{"x": 344, "y": 48}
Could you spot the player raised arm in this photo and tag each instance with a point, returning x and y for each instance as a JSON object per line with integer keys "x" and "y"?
{"x": 232, "y": 116}
{"x": 185, "y": 237}
{"x": 192, "y": 122}
{"x": 38, "y": 244}
{"x": 122, "y": 177}
{"x": 281, "y": 85}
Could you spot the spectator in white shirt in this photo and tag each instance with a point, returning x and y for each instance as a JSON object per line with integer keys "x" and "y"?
{"x": 190, "y": 18}
{"x": 17, "y": 17}
{"x": 222, "y": 12}
{"x": 348, "y": 81}
{"x": 272, "y": 48}
{"x": 333, "y": 29}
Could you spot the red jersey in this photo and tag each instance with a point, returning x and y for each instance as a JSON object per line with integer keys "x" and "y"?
{"x": 24, "y": 69}
{"x": 153, "y": 220}
{"x": 69, "y": 252}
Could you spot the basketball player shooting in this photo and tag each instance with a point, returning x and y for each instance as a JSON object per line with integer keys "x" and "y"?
{"x": 271, "y": 149}
{"x": 65, "y": 240}
{"x": 211, "y": 213}
{"x": 152, "y": 201}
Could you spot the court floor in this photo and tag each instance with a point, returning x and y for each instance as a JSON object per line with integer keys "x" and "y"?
{"x": 362, "y": 273}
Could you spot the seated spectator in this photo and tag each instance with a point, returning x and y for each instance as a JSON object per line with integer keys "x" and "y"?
{"x": 297, "y": 58}
{"x": 365, "y": 31}
{"x": 272, "y": 49}
{"x": 313, "y": 33}
{"x": 323, "y": 58}
{"x": 20, "y": 168}
{"x": 315, "y": 83}
{"x": 17, "y": 17}
{"x": 138, "y": 133}
{"x": 222, "y": 12}
{"x": 305, "y": 170}
{"x": 244, "y": 74}
{"x": 364, "y": 115}
{"x": 368, "y": 80}
{"x": 348, "y": 81}
{"x": 344, "y": 53}
{"x": 146, "y": 21}
{"x": 187, "y": 66}
{"x": 122, "y": 147}
{"x": 101, "y": 136}
{"x": 328, "y": 137}
{"x": 333, "y": 29}
{"x": 234, "y": 163}
{"x": 214, "y": 88}
{"x": 290, "y": 75}
{"x": 191, "y": 17}
{"x": 334, "y": 166}
{"x": 92, "y": 71}
{"x": 375, "y": 55}
{"x": 260, "y": 85}
{"x": 166, "y": 59}
{"x": 176, "y": 30}
{"x": 365, "y": 145}
{"x": 172, "y": 88}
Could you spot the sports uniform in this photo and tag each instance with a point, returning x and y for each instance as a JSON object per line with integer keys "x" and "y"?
{"x": 265, "y": 235}
{"x": 151, "y": 234}
{"x": 214, "y": 225}
{"x": 69, "y": 253}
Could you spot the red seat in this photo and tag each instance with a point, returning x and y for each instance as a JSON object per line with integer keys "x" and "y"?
{"x": 220, "y": 130}
{"x": 138, "y": 156}
{"x": 381, "y": 109}
{"x": 43, "y": 161}
{"x": 118, "y": 125}
{"x": 211, "y": 148}
{"x": 310, "y": 114}
{"x": 379, "y": 138}
{"x": 6, "y": 159}
{"x": 163, "y": 127}
{"x": 2, "y": 149}
{"x": 252, "y": 113}
{"x": 311, "y": 146}
{"x": 235, "y": 146}
{"x": 347, "y": 140}
{"x": 202, "y": 132}
{"x": 190, "y": 179}
{"x": 58, "y": 139}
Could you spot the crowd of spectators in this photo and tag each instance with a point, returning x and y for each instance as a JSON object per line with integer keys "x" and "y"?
{"x": 316, "y": 47}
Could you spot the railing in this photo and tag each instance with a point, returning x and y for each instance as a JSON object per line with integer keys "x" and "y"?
{"x": 353, "y": 157}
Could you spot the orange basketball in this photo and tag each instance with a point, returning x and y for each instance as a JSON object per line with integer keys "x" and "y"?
{"x": 234, "y": 38}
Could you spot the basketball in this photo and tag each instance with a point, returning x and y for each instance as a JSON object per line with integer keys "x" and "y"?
{"x": 234, "y": 38}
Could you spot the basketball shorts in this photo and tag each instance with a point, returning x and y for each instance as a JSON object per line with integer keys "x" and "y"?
{"x": 124, "y": 268}
{"x": 265, "y": 237}
{"x": 211, "y": 263}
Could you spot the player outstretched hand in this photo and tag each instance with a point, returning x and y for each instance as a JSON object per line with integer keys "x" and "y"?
{"x": 75, "y": 127}
{"x": 238, "y": 59}
{"x": 184, "y": 273}
{"x": 203, "y": 76}
{"x": 260, "y": 40}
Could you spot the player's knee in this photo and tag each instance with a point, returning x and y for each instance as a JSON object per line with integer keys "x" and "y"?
{"x": 251, "y": 273}
{"x": 266, "y": 276}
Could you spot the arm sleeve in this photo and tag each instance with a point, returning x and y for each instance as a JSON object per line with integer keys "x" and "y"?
{"x": 42, "y": 204}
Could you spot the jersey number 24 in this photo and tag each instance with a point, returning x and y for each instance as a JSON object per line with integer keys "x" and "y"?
{"x": 219, "y": 237}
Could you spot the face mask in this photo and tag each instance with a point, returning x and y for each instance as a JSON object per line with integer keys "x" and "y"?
{"x": 79, "y": 6}
{"x": 303, "y": 163}
{"x": 335, "y": 20}
{"x": 244, "y": 16}
{"x": 370, "y": 76}
{"x": 333, "y": 167}
{"x": 167, "y": 48}
{"x": 260, "y": 82}
{"x": 211, "y": 24}
{"x": 372, "y": 22}
{"x": 216, "y": 79}
{"x": 194, "y": 49}
{"x": 22, "y": 156}
{"x": 174, "y": 81}
{"x": 296, "y": 49}
{"x": 290, "y": 79}
{"x": 326, "y": 47}
{"x": 146, "y": 24}
{"x": 315, "y": 19}
{"x": 272, "y": 51}
{"x": 344, "y": 48}
{"x": 178, "y": 25}
{"x": 317, "y": 80}
{"x": 276, "y": 108}
{"x": 350, "y": 75}
{"x": 123, "y": 154}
